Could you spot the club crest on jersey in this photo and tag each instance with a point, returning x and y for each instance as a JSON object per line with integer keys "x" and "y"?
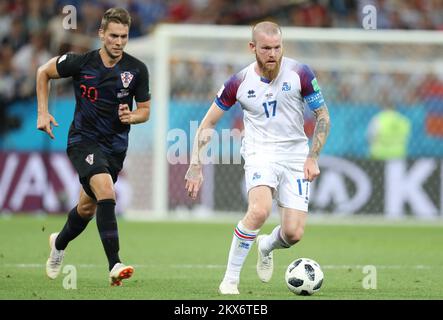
{"x": 286, "y": 86}
{"x": 90, "y": 159}
{"x": 126, "y": 78}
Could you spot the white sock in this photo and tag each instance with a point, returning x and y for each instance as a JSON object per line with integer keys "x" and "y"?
{"x": 241, "y": 245}
{"x": 273, "y": 241}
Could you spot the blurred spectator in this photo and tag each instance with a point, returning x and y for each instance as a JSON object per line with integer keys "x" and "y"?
{"x": 34, "y": 18}
{"x": 7, "y": 122}
{"x": 150, "y": 13}
{"x": 5, "y": 20}
{"x": 388, "y": 135}
{"x": 27, "y": 60}
{"x": 431, "y": 92}
{"x": 90, "y": 15}
{"x": 18, "y": 35}
{"x": 7, "y": 77}
{"x": 31, "y": 31}
{"x": 314, "y": 14}
{"x": 7, "y": 83}
{"x": 179, "y": 11}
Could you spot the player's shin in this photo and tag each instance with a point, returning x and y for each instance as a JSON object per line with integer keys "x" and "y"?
{"x": 274, "y": 241}
{"x": 72, "y": 228}
{"x": 107, "y": 227}
{"x": 241, "y": 245}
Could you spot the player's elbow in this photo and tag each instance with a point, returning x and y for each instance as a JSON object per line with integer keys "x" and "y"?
{"x": 41, "y": 73}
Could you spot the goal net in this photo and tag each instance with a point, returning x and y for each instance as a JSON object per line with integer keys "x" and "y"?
{"x": 360, "y": 73}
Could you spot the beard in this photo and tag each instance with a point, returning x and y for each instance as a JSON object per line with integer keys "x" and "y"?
{"x": 269, "y": 73}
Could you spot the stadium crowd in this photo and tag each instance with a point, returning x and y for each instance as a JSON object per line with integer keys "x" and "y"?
{"x": 31, "y": 30}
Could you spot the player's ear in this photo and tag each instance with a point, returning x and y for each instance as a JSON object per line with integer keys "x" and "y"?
{"x": 252, "y": 46}
{"x": 101, "y": 34}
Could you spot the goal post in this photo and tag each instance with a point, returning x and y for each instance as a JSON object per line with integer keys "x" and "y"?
{"x": 360, "y": 72}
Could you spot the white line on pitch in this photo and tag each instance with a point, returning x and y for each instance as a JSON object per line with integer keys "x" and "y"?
{"x": 216, "y": 266}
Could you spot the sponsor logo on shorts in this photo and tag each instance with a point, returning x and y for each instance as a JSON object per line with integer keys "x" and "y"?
{"x": 256, "y": 176}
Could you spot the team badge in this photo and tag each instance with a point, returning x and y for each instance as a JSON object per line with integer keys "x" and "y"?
{"x": 286, "y": 86}
{"x": 90, "y": 159}
{"x": 126, "y": 78}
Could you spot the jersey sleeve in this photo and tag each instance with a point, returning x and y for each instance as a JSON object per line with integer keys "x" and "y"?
{"x": 227, "y": 95}
{"x": 310, "y": 90}
{"x": 142, "y": 93}
{"x": 69, "y": 64}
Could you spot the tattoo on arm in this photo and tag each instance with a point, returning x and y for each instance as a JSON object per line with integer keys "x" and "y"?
{"x": 203, "y": 137}
{"x": 321, "y": 131}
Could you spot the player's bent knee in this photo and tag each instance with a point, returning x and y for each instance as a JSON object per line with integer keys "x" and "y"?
{"x": 294, "y": 236}
{"x": 86, "y": 211}
{"x": 105, "y": 192}
{"x": 258, "y": 214}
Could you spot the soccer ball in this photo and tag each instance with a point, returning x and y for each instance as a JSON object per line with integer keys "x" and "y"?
{"x": 304, "y": 276}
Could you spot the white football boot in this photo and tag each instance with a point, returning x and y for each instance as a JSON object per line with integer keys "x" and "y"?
{"x": 120, "y": 272}
{"x": 228, "y": 287}
{"x": 265, "y": 263}
{"x": 55, "y": 260}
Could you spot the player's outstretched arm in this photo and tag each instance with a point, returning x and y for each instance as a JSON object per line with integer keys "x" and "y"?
{"x": 321, "y": 132}
{"x": 45, "y": 73}
{"x": 194, "y": 175}
{"x": 140, "y": 115}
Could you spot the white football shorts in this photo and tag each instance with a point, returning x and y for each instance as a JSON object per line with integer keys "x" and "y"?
{"x": 291, "y": 189}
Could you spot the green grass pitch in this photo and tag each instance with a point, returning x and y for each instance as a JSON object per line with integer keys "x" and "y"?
{"x": 186, "y": 261}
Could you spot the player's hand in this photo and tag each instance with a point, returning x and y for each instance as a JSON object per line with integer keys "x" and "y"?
{"x": 44, "y": 122}
{"x": 124, "y": 114}
{"x": 311, "y": 169}
{"x": 194, "y": 179}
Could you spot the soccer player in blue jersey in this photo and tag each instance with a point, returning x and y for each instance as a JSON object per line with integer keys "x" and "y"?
{"x": 105, "y": 83}
{"x": 273, "y": 92}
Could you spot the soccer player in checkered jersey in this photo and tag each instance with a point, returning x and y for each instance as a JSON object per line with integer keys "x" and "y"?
{"x": 105, "y": 83}
{"x": 279, "y": 163}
